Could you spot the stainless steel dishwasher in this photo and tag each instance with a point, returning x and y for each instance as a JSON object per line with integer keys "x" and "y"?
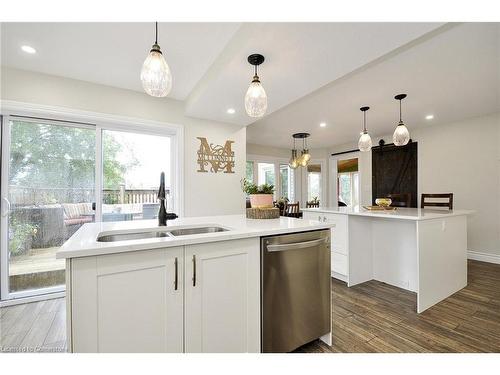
{"x": 295, "y": 290}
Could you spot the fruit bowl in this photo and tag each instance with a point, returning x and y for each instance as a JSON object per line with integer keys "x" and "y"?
{"x": 383, "y": 202}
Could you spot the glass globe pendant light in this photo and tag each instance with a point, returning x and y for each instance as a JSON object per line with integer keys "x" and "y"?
{"x": 365, "y": 141}
{"x": 155, "y": 74}
{"x": 293, "y": 163}
{"x": 256, "y": 98}
{"x": 401, "y": 134}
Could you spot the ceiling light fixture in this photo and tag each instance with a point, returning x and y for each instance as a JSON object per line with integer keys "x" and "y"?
{"x": 323, "y": 124}
{"x": 155, "y": 74}
{"x": 429, "y": 117}
{"x": 28, "y": 49}
{"x": 231, "y": 111}
{"x": 256, "y": 98}
{"x": 365, "y": 141}
{"x": 305, "y": 156}
{"x": 401, "y": 134}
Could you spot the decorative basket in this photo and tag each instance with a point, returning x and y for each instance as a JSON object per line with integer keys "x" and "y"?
{"x": 263, "y": 213}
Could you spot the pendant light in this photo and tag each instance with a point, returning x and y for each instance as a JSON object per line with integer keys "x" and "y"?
{"x": 401, "y": 134}
{"x": 256, "y": 98}
{"x": 365, "y": 141}
{"x": 155, "y": 74}
{"x": 305, "y": 156}
{"x": 293, "y": 163}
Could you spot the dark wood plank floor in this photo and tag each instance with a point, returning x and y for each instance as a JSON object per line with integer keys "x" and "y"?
{"x": 376, "y": 317}
{"x": 370, "y": 317}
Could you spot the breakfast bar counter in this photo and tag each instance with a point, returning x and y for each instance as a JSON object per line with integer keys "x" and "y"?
{"x": 421, "y": 250}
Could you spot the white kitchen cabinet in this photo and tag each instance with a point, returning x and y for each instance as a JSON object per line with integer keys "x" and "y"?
{"x": 339, "y": 241}
{"x": 127, "y": 302}
{"x": 222, "y": 296}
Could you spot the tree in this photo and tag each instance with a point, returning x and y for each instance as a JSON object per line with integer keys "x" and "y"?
{"x": 54, "y": 156}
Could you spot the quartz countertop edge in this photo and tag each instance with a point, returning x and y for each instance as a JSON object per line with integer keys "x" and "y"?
{"x": 401, "y": 213}
{"x": 84, "y": 242}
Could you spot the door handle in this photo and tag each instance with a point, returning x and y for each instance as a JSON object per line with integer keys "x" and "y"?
{"x": 176, "y": 278}
{"x": 194, "y": 270}
{"x": 296, "y": 245}
{"x": 6, "y": 209}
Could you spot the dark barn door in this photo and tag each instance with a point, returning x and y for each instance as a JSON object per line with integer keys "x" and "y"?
{"x": 394, "y": 171}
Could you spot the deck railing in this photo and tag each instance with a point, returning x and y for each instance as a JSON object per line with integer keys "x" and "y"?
{"x": 43, "y": 196}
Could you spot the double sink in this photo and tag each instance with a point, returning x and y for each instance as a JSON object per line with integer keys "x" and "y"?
{"x": 158, "y": 233}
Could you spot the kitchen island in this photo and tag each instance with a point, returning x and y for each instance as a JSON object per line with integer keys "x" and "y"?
{"x": 421, "y": 250}
{"x": 192, "y": 286}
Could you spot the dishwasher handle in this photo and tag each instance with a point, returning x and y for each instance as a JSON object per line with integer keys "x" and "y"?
{"x": 295, "y": 245}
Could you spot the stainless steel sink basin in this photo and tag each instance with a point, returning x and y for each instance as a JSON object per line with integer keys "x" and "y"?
{"x": 199, "y": 230}
{"x": 159, "y": 233}
{"x": 132, "y": 236}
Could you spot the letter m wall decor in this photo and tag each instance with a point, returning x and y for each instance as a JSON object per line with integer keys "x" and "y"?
{"x": 217, "y": 157}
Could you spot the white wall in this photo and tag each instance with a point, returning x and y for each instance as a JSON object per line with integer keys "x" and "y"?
{"x": 462, "y": 158}
{"x": 204, "y": 193}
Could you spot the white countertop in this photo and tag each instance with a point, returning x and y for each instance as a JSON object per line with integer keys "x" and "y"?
{"x": 84, "y": 241}
{"x": 400, "y": 213}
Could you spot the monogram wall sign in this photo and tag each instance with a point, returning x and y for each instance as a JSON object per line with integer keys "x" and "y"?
{"x": 219, "y": 158}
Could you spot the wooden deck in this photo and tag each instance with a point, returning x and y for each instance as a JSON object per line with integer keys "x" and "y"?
{"x": 370, "y": 317}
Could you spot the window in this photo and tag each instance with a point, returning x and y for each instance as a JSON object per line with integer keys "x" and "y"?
{"x": 266, "y": 174}
{"x": 131, "y": 175}
{"x": 287, "y": 182}
{"x": 348, "y": 182}
{"x": 314, "y": 182}
{"x": 249, "y": 171}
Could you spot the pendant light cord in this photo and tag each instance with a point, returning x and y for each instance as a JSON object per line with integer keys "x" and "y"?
{"x": 400, "y": 110}
{"x": 256, "y": 70}
{"x": 364, "y": 121}
{"x": 156, "y": 32}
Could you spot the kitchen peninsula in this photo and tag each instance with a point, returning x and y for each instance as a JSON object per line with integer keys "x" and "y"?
{"x": 195, "y": 285}
{"x": 421, "y": 250}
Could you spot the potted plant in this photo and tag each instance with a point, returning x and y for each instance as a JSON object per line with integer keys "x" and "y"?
{"x": 261, "y": 196}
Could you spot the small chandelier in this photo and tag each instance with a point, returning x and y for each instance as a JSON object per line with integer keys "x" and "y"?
{"x": 305, "y": 156}
{"x": 256, "y": 98}
{"x": 365, "y": 141}
{"x": 401, "y": 134}
{"x": 155, "y": 74}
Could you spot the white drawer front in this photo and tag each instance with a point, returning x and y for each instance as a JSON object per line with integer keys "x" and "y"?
{"x": 339, "y": 263}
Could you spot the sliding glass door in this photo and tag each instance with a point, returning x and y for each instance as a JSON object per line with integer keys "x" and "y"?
{"x": 132, "y": 164}
{"x": 53, "y": 173}
{"x": 48, "y": 188}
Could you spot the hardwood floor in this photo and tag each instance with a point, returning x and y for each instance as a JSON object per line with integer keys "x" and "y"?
{"x": 376, "y": 317}
{"x": 370, "y": 317}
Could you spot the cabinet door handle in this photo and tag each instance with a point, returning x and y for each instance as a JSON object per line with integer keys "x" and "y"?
{"x": 176, "y": 278}
{"x": 194, "y": 270}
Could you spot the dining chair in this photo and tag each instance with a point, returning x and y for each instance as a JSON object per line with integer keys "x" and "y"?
{"x": 292, "y": 210}
{"x": 312, "y": 204}
{"x": 400, "y": 199}
{"x": 448, "y": 197}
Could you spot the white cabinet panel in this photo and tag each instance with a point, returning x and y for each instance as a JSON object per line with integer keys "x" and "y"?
{"x": 131, "y": 303}
{"x": 222, "y": 304}
{"x": 339, "y": 263}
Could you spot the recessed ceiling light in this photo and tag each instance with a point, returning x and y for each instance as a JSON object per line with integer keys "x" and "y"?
{"x": 28, "y": 49}
{"x": 231, "y": 111}
{"x": 429, "y": 117}
{"x": 323, "y": 124}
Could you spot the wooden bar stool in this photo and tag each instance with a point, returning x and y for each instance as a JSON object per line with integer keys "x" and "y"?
{"x": 446, "y": 196}
{"x": 292, "y": 210}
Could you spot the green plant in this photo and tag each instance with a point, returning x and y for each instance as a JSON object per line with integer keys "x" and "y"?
{"x": 251, "y": 188}
{"x": 20, "y": 237}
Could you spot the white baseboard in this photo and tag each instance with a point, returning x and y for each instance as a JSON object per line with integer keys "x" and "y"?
{"x": 483, "y": 257}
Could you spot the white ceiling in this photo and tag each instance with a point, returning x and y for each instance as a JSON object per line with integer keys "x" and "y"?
{"x": 113, "y": 53}
{"x": 300, "y": 58}
{"x": 453, "y": 75}
{"x": 313, "y": 72}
